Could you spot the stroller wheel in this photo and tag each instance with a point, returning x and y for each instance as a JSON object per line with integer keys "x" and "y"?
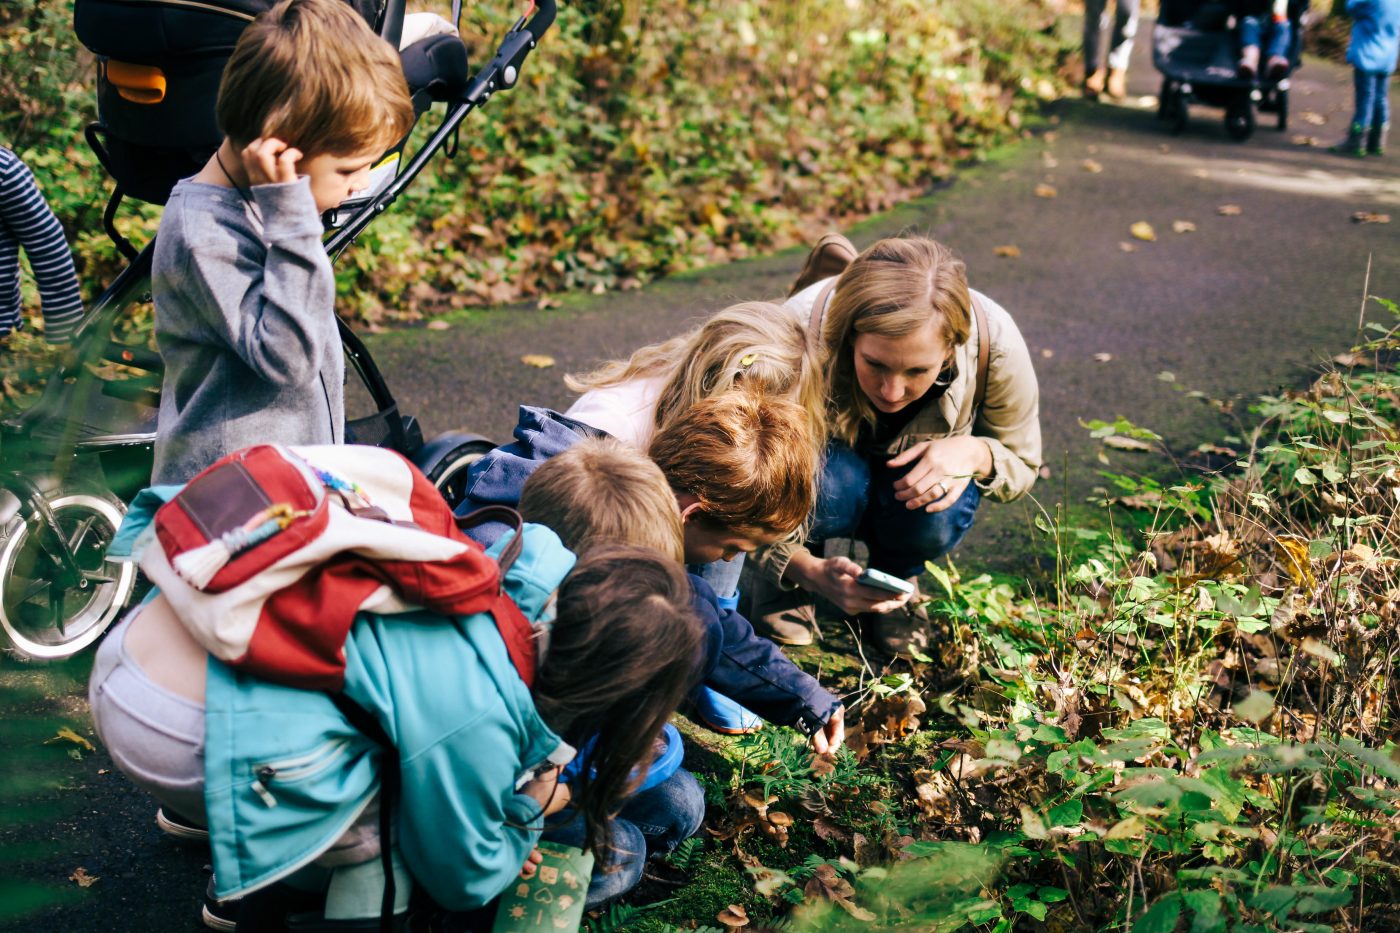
{"x": 43, "y": 619}
{"x": 445, "y": 461}
{"x": 1239, "y": 121}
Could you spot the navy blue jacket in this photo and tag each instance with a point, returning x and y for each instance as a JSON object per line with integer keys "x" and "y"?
{"x": 738, "y": 663}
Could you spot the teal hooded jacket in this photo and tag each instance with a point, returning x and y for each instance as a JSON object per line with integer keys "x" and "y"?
{"x": 286, "y": 774}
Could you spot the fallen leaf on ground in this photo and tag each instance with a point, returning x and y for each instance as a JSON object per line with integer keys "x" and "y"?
{"x": 1045, "y": 191}
{"x": 81, "y": 876}
{"x": 480, "y": 230}
{"x": 1049, "y": 161}
{"x": 1143, "y": 231}
{"x": 1183, "y": 226}
{"x": 1120, "y": 442}
{"x": 1008, "y": 251}
{"x": 1305, "y": 140}
{"x": 1366, "y": 217}
{"x": 1229, "y": 210}
{"x": 1103, "y": 357}
{"x": 1091, "y": 166}
{"x": 1046, "y": 353}
{"x": 439, "y": 325}
{"x": 546, "y": 302}
{"x": 68, "y": 735}
{"x": 1127, "y": 247}
{"x": 1316, "y": 119}
{"x": 537, "y": 360}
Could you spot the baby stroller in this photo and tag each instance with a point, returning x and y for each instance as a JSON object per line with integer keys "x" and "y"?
{"x": 1197, "y": 53}
{"x": 70, "y": 462}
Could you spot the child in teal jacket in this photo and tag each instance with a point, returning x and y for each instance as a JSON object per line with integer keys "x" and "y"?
{"x": 289, "y": 785}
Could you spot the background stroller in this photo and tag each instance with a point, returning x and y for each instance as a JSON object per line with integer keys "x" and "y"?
{"x": 70, "y": 461}
{"x": 1196, "y": 50}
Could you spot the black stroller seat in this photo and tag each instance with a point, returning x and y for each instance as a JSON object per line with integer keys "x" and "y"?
{"x": 1197, "y": 52}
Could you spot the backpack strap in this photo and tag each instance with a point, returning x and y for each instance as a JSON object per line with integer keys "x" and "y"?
{"x": 814, "y": 323}
{"x": 984, "y": 352}
{"x": 389, "y": 782}
{"x": 514, "y": 628}
{"x": 832, "y": 254}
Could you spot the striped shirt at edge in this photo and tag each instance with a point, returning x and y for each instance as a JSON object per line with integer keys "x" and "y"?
{"x": 26, "y": 221}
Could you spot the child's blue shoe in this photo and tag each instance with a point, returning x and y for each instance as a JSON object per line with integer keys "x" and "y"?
{"x": 721, "y": 714}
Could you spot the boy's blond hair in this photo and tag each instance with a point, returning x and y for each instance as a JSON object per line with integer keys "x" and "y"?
{"x": 314, "y": 75}
{"x": 602, "y": 491}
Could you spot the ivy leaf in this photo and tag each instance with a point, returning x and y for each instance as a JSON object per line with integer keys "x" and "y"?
{"x": 1161, "y": 917}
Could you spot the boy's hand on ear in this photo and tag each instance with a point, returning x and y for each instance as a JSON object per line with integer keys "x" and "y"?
{"x": 270, "y": 161}
{"x": 532, "y": 863}
{"x": 829, "y": 738}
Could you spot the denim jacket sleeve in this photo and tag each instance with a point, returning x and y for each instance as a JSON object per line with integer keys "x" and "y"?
{"x": 751, "y": 670}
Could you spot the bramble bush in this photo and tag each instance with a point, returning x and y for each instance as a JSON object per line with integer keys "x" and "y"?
{"x": 1190, "y": 725}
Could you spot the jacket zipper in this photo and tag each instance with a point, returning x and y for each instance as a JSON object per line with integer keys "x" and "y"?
{"x": 292, "y": 768}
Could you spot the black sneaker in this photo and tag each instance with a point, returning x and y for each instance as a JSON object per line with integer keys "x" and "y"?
{"x": 182, "y": 828}
{"x": 217, "y": 914}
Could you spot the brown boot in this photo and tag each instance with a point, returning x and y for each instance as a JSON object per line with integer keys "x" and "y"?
{"x": 901, "y": 633}
{"x": 1117, "y": 84}
{"x": 788, "y": 617}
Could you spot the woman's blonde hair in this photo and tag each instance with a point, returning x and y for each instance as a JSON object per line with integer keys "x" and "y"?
{"x": 314, "y": 75}
{"x": 748, "y": 459}
{"x": 892, "y": 289}
{"x": 756, "y": 344}
{"x": 602, "y": 491}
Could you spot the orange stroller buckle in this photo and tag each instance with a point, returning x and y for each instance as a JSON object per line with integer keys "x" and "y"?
{"x": 140, "y": 84}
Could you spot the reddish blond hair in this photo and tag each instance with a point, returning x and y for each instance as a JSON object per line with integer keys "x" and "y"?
{"x": 746, "y": 457}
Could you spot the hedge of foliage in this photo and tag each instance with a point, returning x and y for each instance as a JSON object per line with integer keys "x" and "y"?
{"x": 644, "y": 138}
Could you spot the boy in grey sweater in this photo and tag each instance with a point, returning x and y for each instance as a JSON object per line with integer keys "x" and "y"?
{"x": 244, "y": 291}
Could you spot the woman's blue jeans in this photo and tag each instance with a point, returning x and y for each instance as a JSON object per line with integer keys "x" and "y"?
{"x": 855, "y": 499}
{"x": 652, "y": 822}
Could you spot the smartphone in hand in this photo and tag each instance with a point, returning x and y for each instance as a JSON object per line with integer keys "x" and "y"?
{"x": 879, "y": 580}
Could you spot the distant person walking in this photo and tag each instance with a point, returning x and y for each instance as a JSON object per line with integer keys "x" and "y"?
{"x": 1375, "y": 43}
{"x": 27, "y": 221}
{"x": 1125, "y": 24}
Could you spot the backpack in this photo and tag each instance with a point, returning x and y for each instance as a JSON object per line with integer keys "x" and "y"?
{"x": 828, "y": 259}
{"x": 268, "y": 555}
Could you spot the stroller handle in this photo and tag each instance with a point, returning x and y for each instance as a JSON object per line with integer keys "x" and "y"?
{"x": 500, "y": 73}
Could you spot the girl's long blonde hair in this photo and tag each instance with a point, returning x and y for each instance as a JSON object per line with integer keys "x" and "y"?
{"x": 892, "y": 289}
{"x": 756, "y": 344}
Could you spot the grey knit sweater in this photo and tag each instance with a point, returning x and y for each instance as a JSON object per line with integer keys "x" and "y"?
{"x": 245, "y": 321}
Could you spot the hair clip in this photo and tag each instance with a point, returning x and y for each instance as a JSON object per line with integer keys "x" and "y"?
{"x": 746, "y": 361}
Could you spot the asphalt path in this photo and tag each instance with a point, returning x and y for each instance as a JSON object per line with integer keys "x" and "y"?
{"x": 1243, "y": 304}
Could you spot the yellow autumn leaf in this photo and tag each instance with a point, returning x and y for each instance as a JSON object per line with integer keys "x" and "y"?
{"x": 1045, "y": 191}
{"x": 1091, "y": 166}
{"x": 68, "y": 735}
{"x": 1229, "y": 210}
{"x": 1183, "y": 226}
{"x": 1008, "y": 252}
{"x": 537, "y": 360}
{"x": 1143, "y": 231}
{"x": 1292, "y": 553}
